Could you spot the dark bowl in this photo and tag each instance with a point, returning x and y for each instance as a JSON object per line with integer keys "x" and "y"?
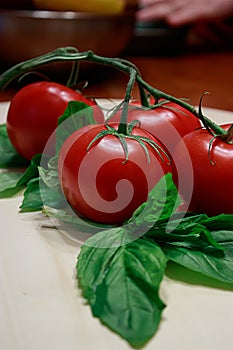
{"x": 25, "y": 34}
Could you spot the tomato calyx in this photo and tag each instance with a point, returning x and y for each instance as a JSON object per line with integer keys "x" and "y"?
{"x": 143, "y": 141}
{"x": 124, "y": 129}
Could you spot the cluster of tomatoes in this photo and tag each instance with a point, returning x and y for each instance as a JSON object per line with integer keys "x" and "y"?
{"x": 106, "y": 174}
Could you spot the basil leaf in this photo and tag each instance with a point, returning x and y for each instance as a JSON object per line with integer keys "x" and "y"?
{"x": 44, "y": 188}
{"x": 162, "y": 202}
{"x": 212, "y": 223}
{"x": 32, "y": 197}
{"x": 31, "y": 171}
{"x": 9, "y": 157}
{"x": 37, "y": 196}
{"x": 50, "y": 175}
{"x": 9, "y": 184}
{"x": 76, "y": 115}
{"x": 214, "y": 266}
{"x": 121, "y": 283}
{"x": 223, "y": 236}
{"x": 196, "y": 246}
{"x": 13, "y": 182}
{"x": 72, "y": 109}
{"x": 219, "y": 222}
{"x": 190, "y": 235}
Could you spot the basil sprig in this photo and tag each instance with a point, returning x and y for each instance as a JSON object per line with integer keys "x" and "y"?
{"x": 122, "y": 283}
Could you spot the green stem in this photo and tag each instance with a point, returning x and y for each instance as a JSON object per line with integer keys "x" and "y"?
{"x": 159, "y": 94}
{"x": 61, "y": 54}
{"x": 143, "y": 95}
{"x": 72, "y": 54}
{"x": 122, "y": 128}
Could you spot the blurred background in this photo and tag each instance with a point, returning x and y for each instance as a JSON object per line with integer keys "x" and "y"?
{"x": 29, "y": 28}
{"x": 112, "y": 28}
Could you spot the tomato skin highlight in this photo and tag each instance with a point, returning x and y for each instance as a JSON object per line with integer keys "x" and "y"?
{"x": 168, "y": 122}
{"x": 212, "y": 172}
{"x": 100, "y": 184}
{"x": 33, "y": 114}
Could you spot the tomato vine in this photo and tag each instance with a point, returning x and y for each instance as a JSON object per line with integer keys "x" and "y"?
{"x": 71, "y": 54}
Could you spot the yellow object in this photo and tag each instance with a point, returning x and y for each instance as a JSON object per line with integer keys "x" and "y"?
{"x": 96, "y": 6}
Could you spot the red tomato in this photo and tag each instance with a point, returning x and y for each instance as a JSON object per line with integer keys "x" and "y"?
{"x": 168, "y": 122}
{"x": 33, "y": 115}
{"x": 99, "y": 183}
{"x": 212, "y": 172}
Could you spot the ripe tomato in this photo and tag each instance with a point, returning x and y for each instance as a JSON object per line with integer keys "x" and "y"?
{"x": 33, "y": 115}
{"x": 99, "y": 183}
{"x": 168, "y": 122}
{"x": 212, "y": 172}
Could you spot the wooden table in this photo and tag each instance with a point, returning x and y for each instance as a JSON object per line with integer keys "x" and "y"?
{"x": 186, "y": 76}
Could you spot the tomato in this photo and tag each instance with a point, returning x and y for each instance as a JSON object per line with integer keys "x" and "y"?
{"x": 167, "y": 122}
{"x": 99, "y": 183}
{"x": 33, "y": 114}
{"x": 212, "y": 172}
